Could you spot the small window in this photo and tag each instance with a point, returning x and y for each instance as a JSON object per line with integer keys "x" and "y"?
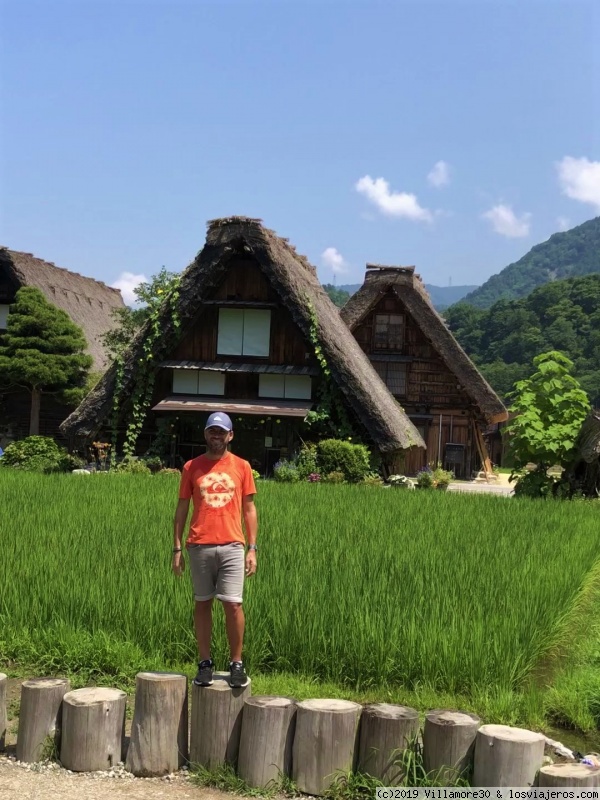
{"x": 388, "y": 332}
{"x": 393, "y": 375}
{"x": 290, "y": 387}
{"x": 195, "y": 381}
{"x": 3, "y": 316}
{"x": 244, "y": 332}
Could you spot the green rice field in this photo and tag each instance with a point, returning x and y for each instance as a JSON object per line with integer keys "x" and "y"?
{"x": 356, "y": 586}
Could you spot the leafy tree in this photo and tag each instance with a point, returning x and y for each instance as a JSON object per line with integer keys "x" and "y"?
{"x": 43, "y": 351}
{"x": 129, "y": 320}
{"x": 338, "y": 296}
{"x": 563, "y": 315}
{"x": 550, "y": 408}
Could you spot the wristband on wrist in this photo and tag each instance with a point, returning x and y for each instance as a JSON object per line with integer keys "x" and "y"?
{"x": 252, "y": 547}
{"x": 177, "y": 549}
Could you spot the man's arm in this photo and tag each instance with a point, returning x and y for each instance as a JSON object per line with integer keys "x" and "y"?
{"x": 251, "y": 525}
{"x": 181, "y": 514}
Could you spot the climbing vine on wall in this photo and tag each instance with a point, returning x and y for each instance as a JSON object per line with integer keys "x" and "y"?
{"x": 154, "y": 346}
{"x": 330, "y": 408}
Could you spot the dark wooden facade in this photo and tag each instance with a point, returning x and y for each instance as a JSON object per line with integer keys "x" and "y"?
{"x": 425, "y": 387}
{"x": 261, "y": 439}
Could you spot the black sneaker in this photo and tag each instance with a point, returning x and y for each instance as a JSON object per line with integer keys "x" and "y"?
{"x": 238, "y": 677}
{"x": 204, "y": 677}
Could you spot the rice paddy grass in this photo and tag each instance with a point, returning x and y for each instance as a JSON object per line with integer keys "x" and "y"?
{"x": 372, "y": 591}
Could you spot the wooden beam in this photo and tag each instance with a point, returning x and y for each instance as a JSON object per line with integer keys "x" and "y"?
{"x": 482, "y": 450}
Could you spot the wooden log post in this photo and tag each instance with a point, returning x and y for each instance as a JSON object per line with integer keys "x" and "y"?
{"x": 159, "y": 732}
{"x": 217, "y": 722}
{"x": 569, "y": 775}
{"x": 39, "y": 731}
{"x": 325, "y": 742}
{"x": 506, "y": 756}
{"x": 93, "y": 729}
{"x": 3, "y": 714}
{"x": 268, "y": 725}
{"x": 449, "y": 744}
{"x": 386, "y": 730}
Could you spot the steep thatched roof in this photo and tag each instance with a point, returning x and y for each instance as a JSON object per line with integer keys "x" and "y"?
{"x": 296, "y": 283}
{"x": 409, "y": 288}
{"x": 88, "y": 302}
{"x": 588, "y": 446}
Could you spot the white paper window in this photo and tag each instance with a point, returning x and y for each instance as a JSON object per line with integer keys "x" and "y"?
{"x": 244, "y": 332}
{"x": 297, "y": 387}
{"x": 3, "y": 317}
{"x": 211, "y": 382}
{"x": 291, "y": 387}
{"x": 271, "y": 386}
{"x": 185, "y": 381}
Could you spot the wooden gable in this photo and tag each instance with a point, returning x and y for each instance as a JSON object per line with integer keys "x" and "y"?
{"x": 428, "y": 380}
{"x": 244, "y": 287}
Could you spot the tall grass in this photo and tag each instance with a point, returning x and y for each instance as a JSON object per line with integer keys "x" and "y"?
{"x": 355, "y": 585}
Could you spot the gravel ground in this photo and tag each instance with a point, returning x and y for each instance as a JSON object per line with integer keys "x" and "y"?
{"x": 51, "y": 782}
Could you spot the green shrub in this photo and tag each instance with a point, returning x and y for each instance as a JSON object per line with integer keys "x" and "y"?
{"x": 153, "y": 463}
{"x": 425, "y": 479}
{"x": 442, "y": 477}
{"x": 36, "y": 454}
{"x": 285, "y": 472}
{"x": 132, "y": 466}
{"x": 255, "y": 474}
{"x": 307, "y": 461}
{"x": 372, "y": 479}
{"x": 335, "y": 477}
{"x": 352, "y": 460}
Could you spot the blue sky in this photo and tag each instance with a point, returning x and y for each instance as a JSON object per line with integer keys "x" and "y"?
{"x": 448, "y": 135}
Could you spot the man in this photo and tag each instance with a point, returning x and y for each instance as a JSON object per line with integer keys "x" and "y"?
{"x": 222, "y": 488}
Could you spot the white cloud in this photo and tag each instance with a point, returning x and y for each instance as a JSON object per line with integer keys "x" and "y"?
{"x": 564, "y": 223}
{"x": 439, "y": 174}
{"x": 580, "y": 179}
{"x": 126, "y": 283}
{"x": 333, "y": 259}
{"x": 394, "y": 204}
{"x": 505, "y": 221}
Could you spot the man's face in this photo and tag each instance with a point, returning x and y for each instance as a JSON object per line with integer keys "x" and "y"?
{"x": 217, "y": 439}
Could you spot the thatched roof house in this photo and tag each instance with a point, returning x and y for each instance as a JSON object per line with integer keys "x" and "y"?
{"x": 236, "y": 248}
{"x": 413, "y": 295}
{"x": 88, "y": 302}
{"x": 439, "y": 387}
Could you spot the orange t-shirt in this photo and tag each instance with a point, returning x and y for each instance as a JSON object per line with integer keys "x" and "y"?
{"x": 217, "y": 489}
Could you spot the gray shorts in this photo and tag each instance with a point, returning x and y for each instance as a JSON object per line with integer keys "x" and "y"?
{"x": 218, "y": 571}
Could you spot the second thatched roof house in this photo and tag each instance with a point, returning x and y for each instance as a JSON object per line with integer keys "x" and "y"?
{"x": 88, "y": 302}
{"x": 251, "y": 332}
{"x": 424, "y": 367}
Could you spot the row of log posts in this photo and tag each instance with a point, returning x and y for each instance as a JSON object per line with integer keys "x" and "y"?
{"x": 266, "y": 738}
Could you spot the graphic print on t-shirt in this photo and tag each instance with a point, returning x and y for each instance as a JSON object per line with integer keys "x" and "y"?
{"x": 217, "y": 489}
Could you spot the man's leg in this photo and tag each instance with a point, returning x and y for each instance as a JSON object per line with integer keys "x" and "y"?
{"x": 203, "y": 626}
{"x": 234, "y": 625}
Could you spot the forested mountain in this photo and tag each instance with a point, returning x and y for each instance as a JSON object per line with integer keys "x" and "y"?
{"x": 562, "y": 315}
{"x": 563, "y": 255}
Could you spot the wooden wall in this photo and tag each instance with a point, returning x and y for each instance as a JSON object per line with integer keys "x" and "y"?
{"x": 245, "y": 283}
{"x": 432, "y": 393}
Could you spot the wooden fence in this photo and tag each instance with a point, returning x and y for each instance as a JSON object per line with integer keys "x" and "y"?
{"x": 265, "y": 737}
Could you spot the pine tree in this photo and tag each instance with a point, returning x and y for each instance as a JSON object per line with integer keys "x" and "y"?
{"x": 42, "y": 351}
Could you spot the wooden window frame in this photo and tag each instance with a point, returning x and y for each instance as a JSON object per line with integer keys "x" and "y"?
{"x": 389, "y": 346}
{"x": 384, "y": 374}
